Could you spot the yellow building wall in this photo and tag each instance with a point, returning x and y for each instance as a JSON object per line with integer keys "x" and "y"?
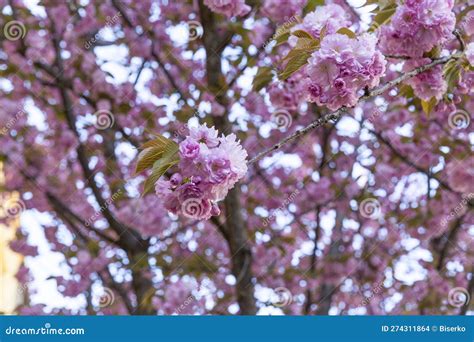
{"x": 10, "y": 291}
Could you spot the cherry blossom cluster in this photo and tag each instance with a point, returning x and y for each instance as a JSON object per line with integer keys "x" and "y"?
{"x": 209, "y": 167}
{"x": 331, "y": 17}
{"x": 418, "y": 26}
{"x": 470, "y": 53}
{"x": 342, "y": 68}
{"x": 282, "y": 10}
{"x": 229, "y": 8}
{"x": 428, "y": 84}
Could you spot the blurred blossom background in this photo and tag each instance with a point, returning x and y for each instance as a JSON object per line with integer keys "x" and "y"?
{"x": 368, "y": 214}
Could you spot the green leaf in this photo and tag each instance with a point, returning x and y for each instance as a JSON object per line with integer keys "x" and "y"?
{"x": 323, "y": 33}
{"x": 382, "y": 17}
{"x": 169, "y": 159}
{"x": 452, "y": 74}
{"x": 347, "y": 32}
{"x": 311, "y": 6}
{"x": 428, "y": 105}
{"x": 154, "y": 150}
{"x": 147, "y": 158}
{"x": 283, "y": 32}
{"x": 185, "y": 113}
{"x": 299, "y": 58}
{"x": 263, "y": 77}
{"x": 406, "y": 91}
{"x": 464, "y": 12}
{"x": 302, "y": 34}
{"x": 303, "y": 46}
{"x": 435, "y": 52}
{"x": 282, "y": 38}
{"x": 160, "y": 141}
{"x": 309, "y": 44}
{"x": 380, "y": 3}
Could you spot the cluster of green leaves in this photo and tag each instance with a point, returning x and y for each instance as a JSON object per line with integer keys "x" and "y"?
{"x": 383, "y": 12}
{"x": 304, "y": 48}
{"x": 296, "y": 58}
{"x": 159, "y": 155}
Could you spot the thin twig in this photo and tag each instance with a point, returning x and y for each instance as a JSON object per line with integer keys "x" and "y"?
{"x": 461, "y": 41}
{"x": 335, "y": 115}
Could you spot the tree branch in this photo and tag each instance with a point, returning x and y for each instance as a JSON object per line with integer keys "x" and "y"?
{"x": 233, "y": 229}
{"x": 337, "y": 113}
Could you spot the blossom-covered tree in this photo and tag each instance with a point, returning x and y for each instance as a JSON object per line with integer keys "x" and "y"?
{"x": 242, "y": 156}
